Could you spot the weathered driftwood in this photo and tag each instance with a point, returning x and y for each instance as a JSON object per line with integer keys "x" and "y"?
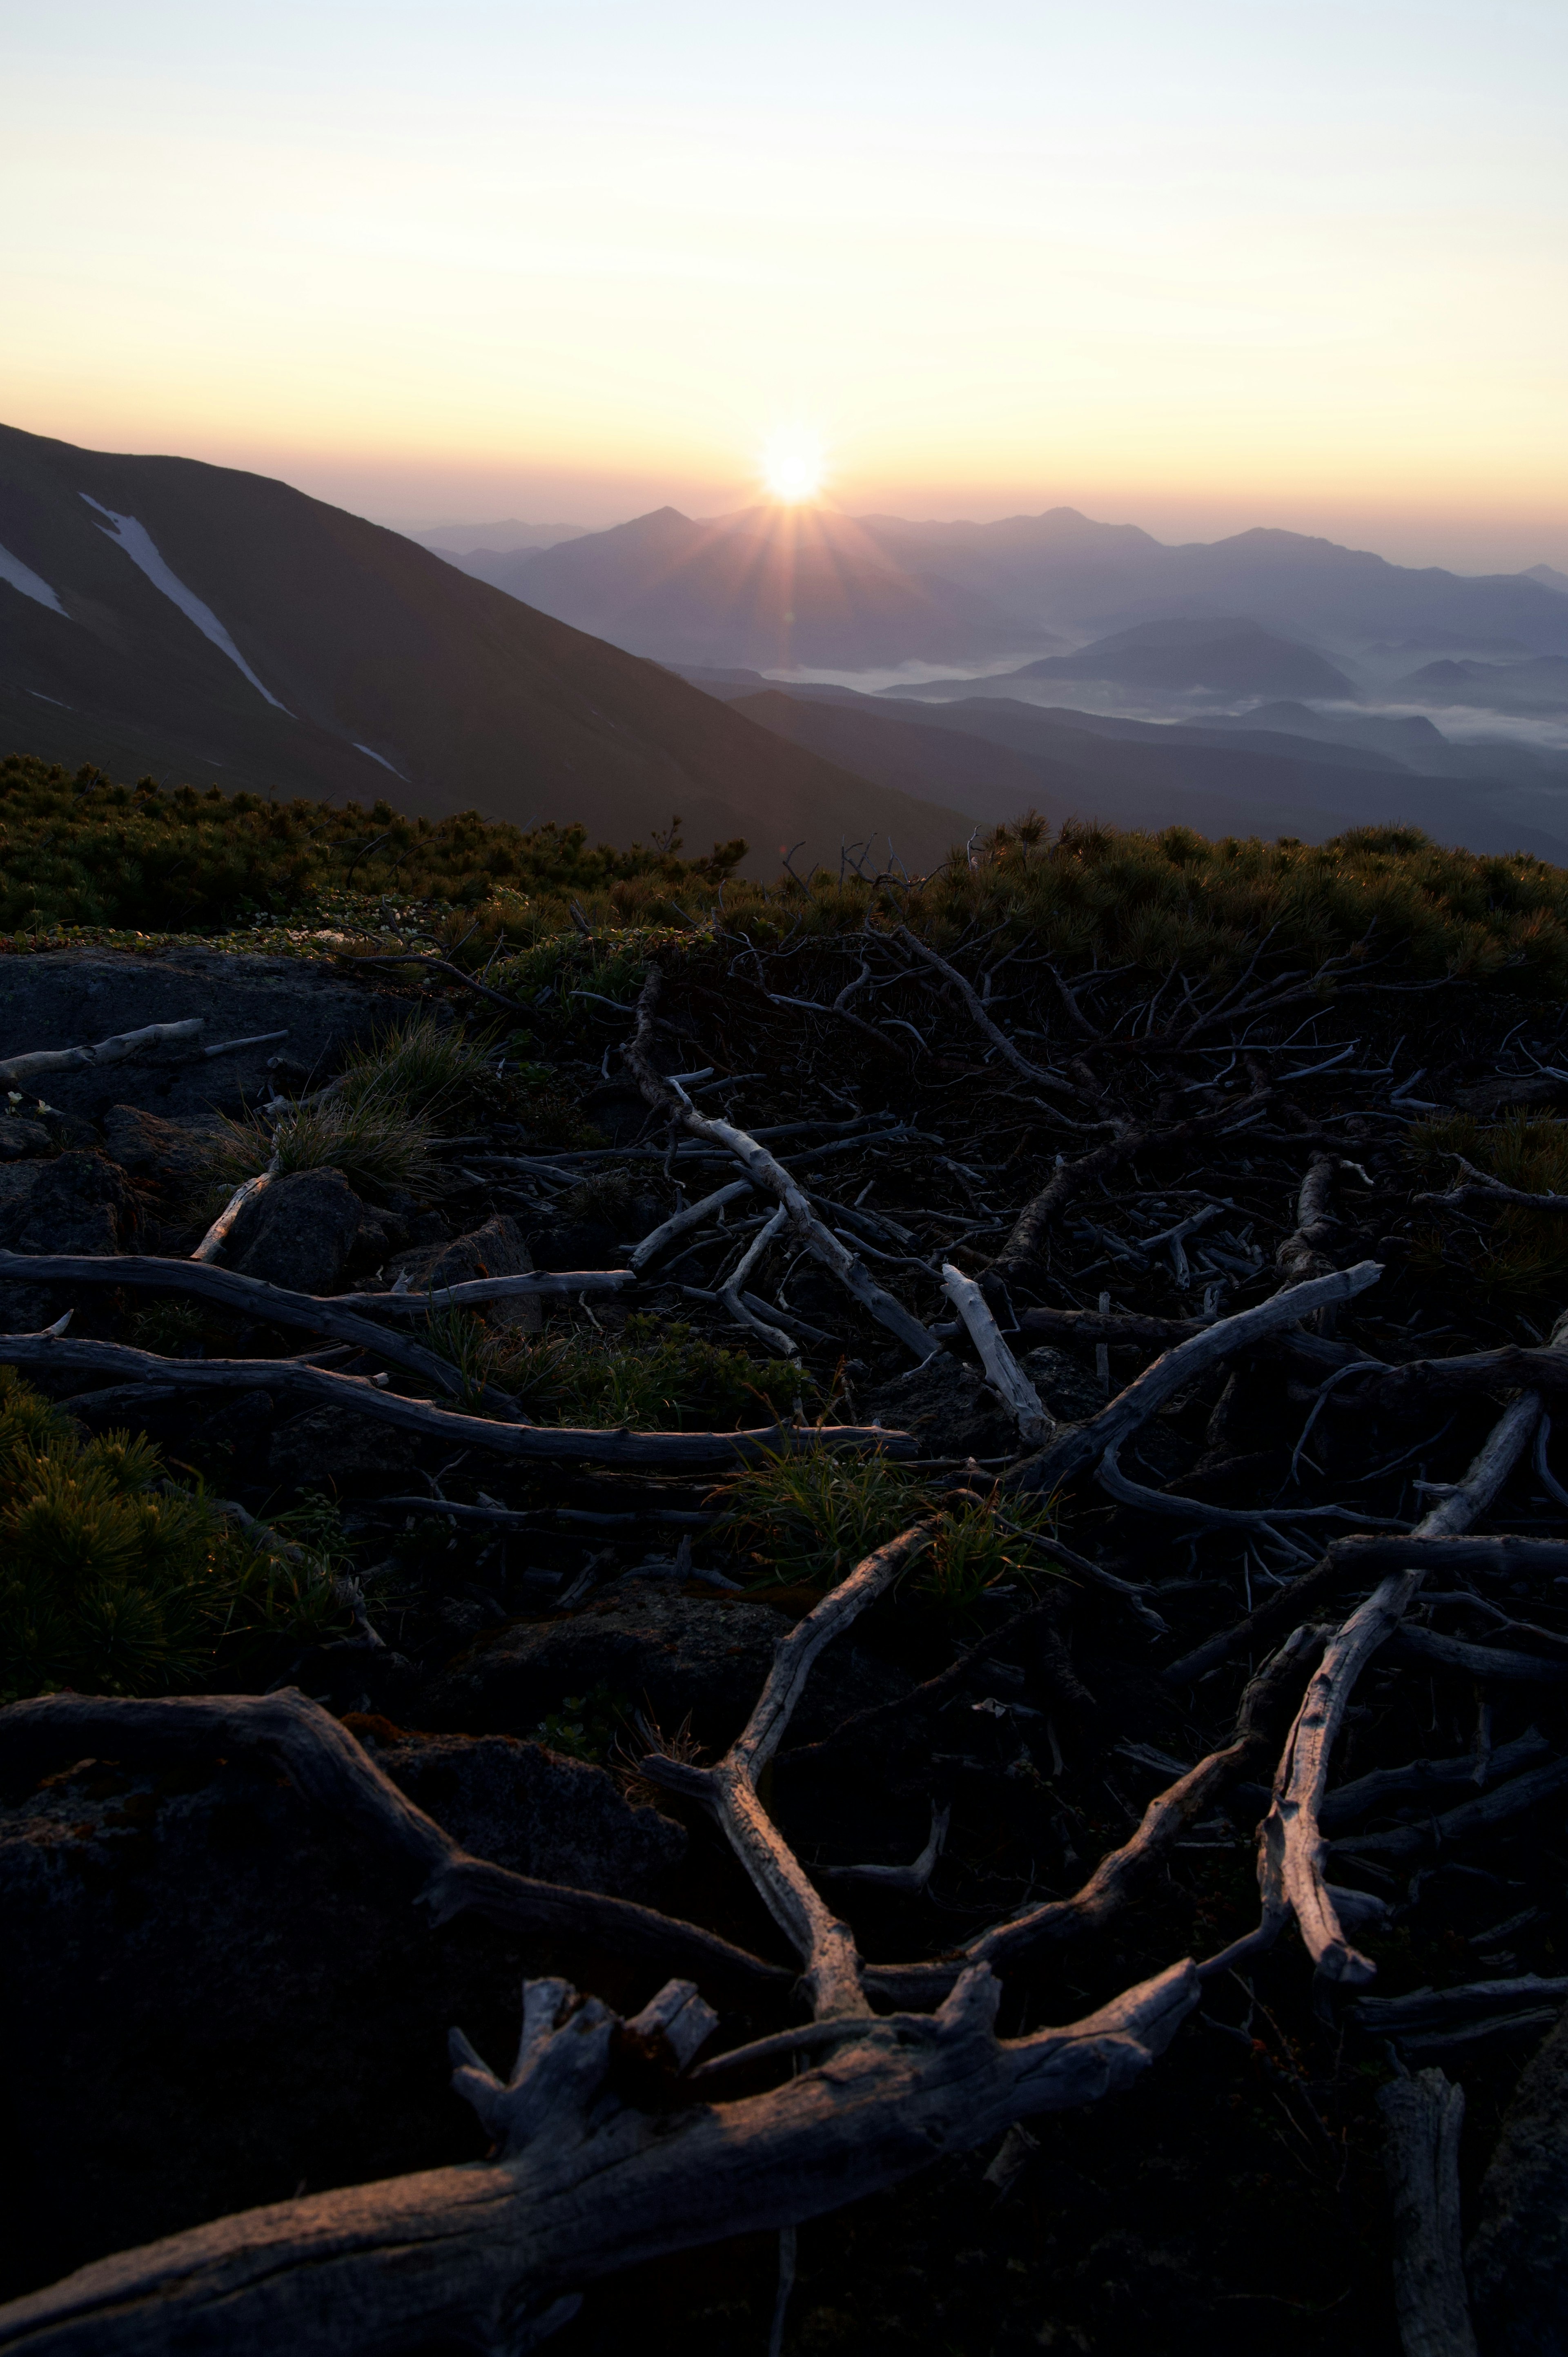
{"x": 582, "y": 2183}
{"x": 1354, "y": 1559}
{"x": 1078, "y": 1445}
{"x": 1037, "y": 1425}
{"x": 769, "y": 1174}
{"x": 493, "y": 2253}
{"x": 1476, "y": 1185}
{"x": 1493, "y": 1808}
{"x": 1420, "y": 1780}
{"x": 555, "y": 1284}
{"x": 1174, "y": 1502}
{"x": 831, "y": 1976}
{"x": 1291, "y": 1844}
{"x": 334, "y": 1772}
{"x": 232, "y": 1046}
{"x": 681, "y": 1224}
{"x": 1429, "y": 1648}
{"x": 734, "y": 1299}
{"x": 971, "y": 1000}
{"x": 112, "y": 1050}
{"x": 273, "y": 1304}
{"x": 1424, "y": 2116}
{"x": 56, "y": 1355}
{"x": 1121, "y": 1871}
{"x": 217, "y": 1235}
{"x": 1026, "y": 1240}
{"x": 1429, "y": 2008}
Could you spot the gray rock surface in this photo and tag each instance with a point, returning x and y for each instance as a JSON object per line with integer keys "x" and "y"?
{"x": 72, "y": 999}
{"x": 651, "y": 1645}
{"x": 1517, "y": 2260}
{"x": 76, "y": 1204}
{"x": 299, "y": 1232}
{"x": 337, "y": 1449}
{"x": 20, "y": 1139}
{"x": 947, "y": 1406}
{"x": 498, "y": 1249}
{"x": 212, "y": 1995}
{"x": 152, "y": 1148}
{"x": 560, "y": 1820}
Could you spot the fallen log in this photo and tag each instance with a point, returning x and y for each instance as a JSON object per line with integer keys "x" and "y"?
{"x": 54, "y": 1355}
{"x": 112, "y": 1050}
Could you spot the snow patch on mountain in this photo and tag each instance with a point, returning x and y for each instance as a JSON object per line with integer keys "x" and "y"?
{"x": 137, "y": 543}
{"x": 31, "y": 584}
{"x": 376, "y": 757}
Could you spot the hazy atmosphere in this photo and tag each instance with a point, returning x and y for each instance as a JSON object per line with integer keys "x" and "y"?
{"x": 784, "y": 1178}
{"x": 1196, "y": 269}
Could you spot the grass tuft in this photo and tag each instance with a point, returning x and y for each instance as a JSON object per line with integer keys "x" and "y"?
{"x": 115, "y": 1580}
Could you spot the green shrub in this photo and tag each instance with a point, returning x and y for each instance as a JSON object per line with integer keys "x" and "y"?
{"x": 653, "y": 1377}
{"x": 113, "y": 1580}
{"x": 1520, "y": 1254}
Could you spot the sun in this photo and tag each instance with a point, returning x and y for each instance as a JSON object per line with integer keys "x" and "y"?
{"x": 794, "y": 465}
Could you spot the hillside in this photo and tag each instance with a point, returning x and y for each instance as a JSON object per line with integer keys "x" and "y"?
{"x": 203, "y": 624}
{"x": 1234, "y": 658}
{"x": 993, "y": 756}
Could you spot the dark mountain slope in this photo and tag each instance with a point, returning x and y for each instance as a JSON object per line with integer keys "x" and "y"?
{"x": 295, "y": 648}
{"x": 1237, "y": 658}
{"x": 1538, "y": 686}
{"x": 991, "y": 758}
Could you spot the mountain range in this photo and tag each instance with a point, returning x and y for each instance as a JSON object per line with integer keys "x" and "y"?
{"x": 199, "y": 624}
{"x": 161, "y": 616}
{"x": 813, "y": 589}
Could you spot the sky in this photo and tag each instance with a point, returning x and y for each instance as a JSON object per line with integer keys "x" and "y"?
{"x": 1197, "y": 266}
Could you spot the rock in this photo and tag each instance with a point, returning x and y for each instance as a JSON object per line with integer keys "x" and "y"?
{"x": 20, "y": 1139}
{"x": 77, "y": 1203}
{"x": 947, "y": 1406}
{"x": 72, "y": 998}
{"x": 1070, "y": 1389}
{"x": 210, "y": 1992}
{"x": 577, "y": 1244}
{"x": 527, "y": 1808}
{"x": 651, "y": 1646}
{"x": 337, "y": 1448}
{"x": 153, "y": 1149}
{"x": 1518, "y": 2260}
{"x": 298, "y": 1232}
{"x": 617, "y": 1110}
{"x": 497, "y": 1249}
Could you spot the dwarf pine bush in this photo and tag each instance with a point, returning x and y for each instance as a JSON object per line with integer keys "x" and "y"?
{"x": 115, "y": 1579}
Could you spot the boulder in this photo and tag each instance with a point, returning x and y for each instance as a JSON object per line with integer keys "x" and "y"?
{"x": 335, "y": 1448}
{"x": 74, "y": 997}
{"x": 947, "y": 1406}
{"x": 153, "y": 1149}
{"x": 524, "y": 1807}
{"x": 497, "y": 1249}
{"x": 1519, "y": 2259}
{"x": 19, "y": 1138}
{"x": 213, "y": 1995}
{"x": 1070, "y": 1389}
{"x": 652, "y": 1646}
{"x": 298, "y": 1232}
{"x": 76, "y": 1204}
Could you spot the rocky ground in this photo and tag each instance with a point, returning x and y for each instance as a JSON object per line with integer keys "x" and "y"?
{"x": 215, "y": 1999}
